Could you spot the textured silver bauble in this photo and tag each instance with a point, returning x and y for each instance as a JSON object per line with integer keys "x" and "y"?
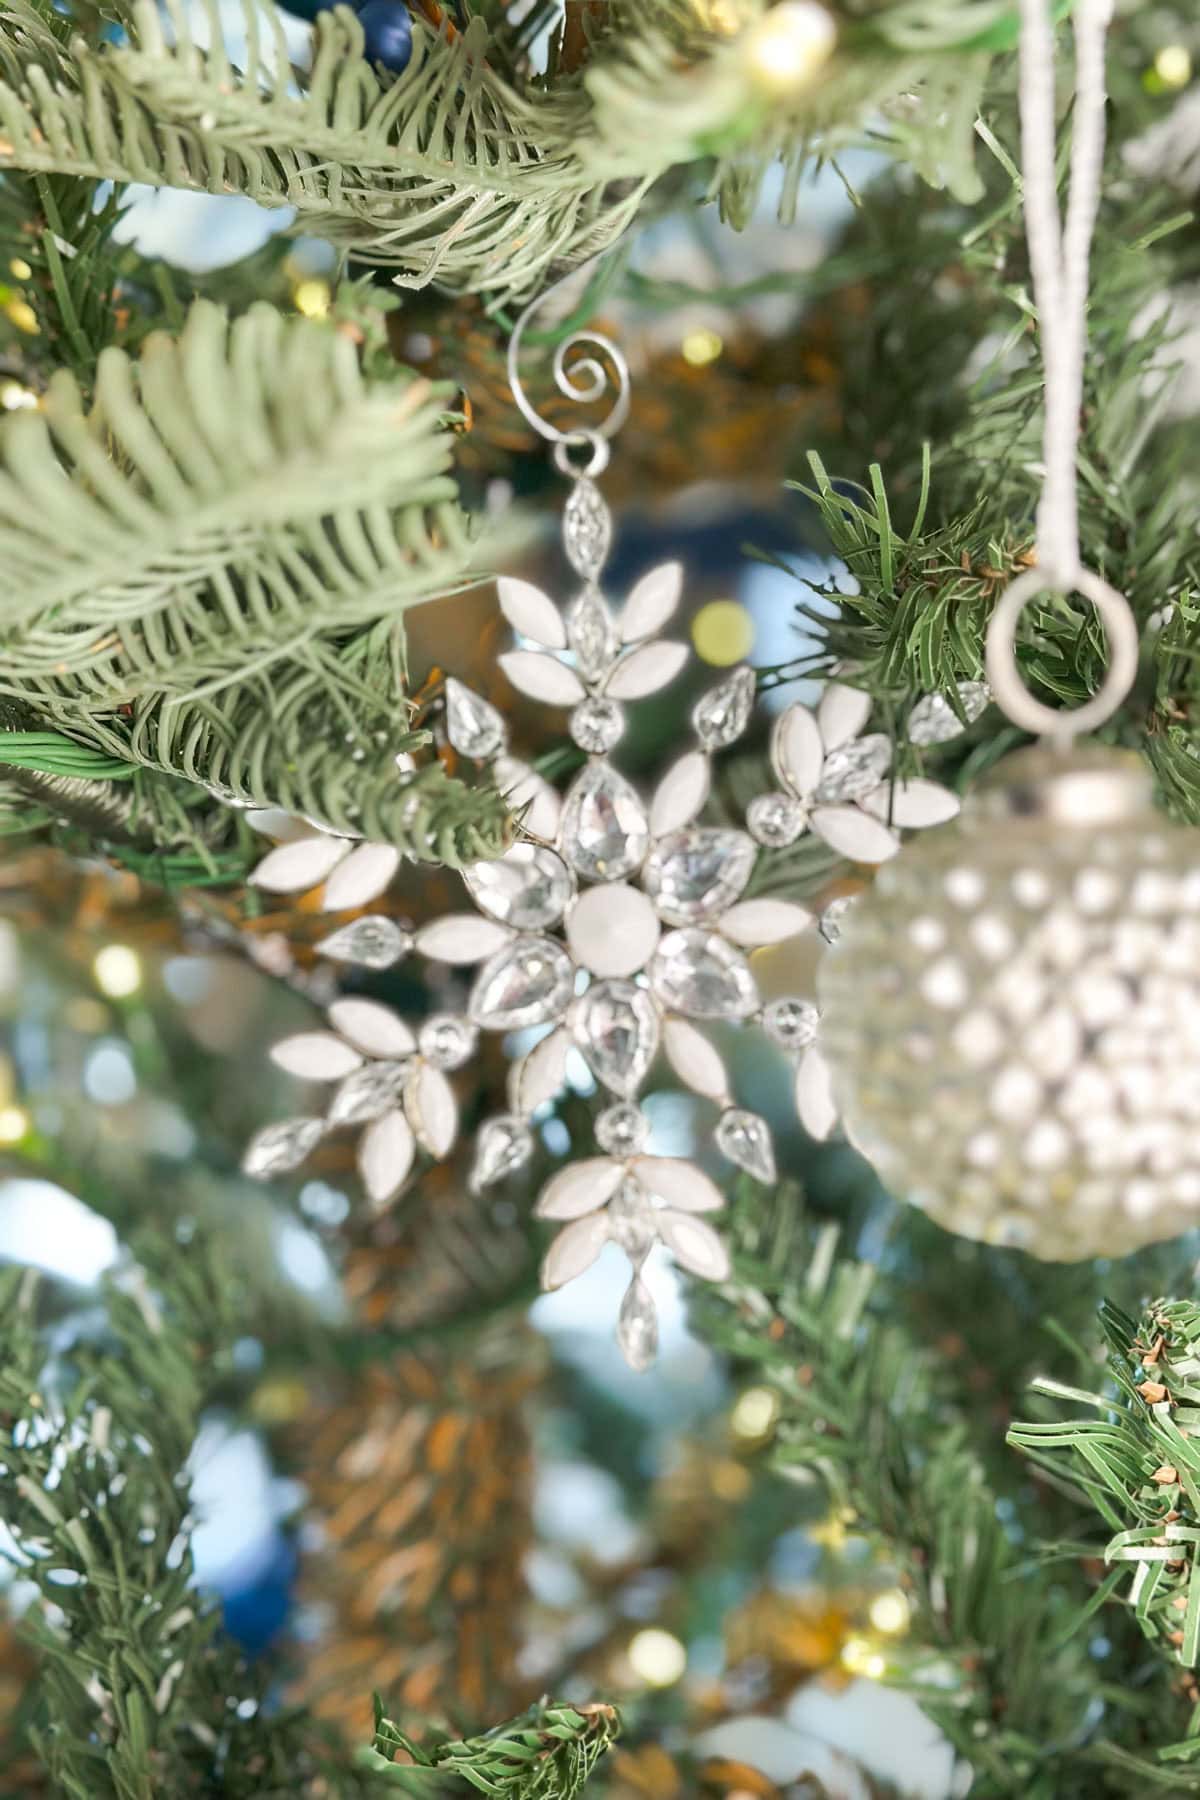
{"x": 1012, "y": 1015}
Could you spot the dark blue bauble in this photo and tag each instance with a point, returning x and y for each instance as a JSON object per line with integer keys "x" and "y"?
{"x": 387, "y": 27}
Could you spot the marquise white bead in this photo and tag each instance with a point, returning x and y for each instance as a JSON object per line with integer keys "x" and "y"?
{"x": 574, "y": 1249}
{"x": 854, "y": 833}
{"x": 542, "y": 677}
{"x": 679, "y": 1183}
{"x": 695, "y": 1060}
{"x": 652, "y": 601}
{"x": 912, "y": 804}
{"x": 541, "y": 1074}
{"x": 841, "y": 713}
{"x": 432, "y": 1109}
{"x": 680, "y": 794}
{"x": 292, "y": 868}
{"x": 797, "y": 751}
{"x": 363, "y": 876}
{"x": 461, "y": 938}
{"x": 530, "y": 795}
{"x": 754, "y": 922}
{"x": 531, "y": 612}
{"x": 646, "y": 670}
{"x": 580, "y": 1188}
{"x": 385, "y": 1156}
{"x": 371, "y": 1027}
{"x": 694, "y": 1245}
{"x": 315, "y": 1056}
{"x": 815, "y": 1105}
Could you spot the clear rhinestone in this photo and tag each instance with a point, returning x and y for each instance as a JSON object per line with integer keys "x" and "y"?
{"x": 587, "y": 529}
{"x": 282, "y": 1146}
{"x": 502, "y": 1145}
{"x": 830, "y": 922}
{"x": 792, "y": 1024}
{"x": 696, "y": 874}
{"x": 621, "y": 1130}
{"x": 604, "y": 831}
{"x": 855, "y": 769}
{"x": 368, "y": 1093}
{"x": 591, "y": 634}
{"x": 637, "y": 1326}
{"x": 596, "y": 725}
{"x": 775, "y": 820}
{"x": 702, "y": 976}
{"x": 746, "y": 1140}
{"x": 527, "y": 983}
{"x": 528, "y": 887}
{"x": 447, "y": 1041}
{"x": 722, "y": 714}
{"x": 473, "y": 725}
{"x": 631, "y": 1222}
{"x": 934, "y": 721}
{"x": 616, "y": 1027}
{"x": 372, "y": 943}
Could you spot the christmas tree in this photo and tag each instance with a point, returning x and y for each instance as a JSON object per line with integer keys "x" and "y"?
{"x": 373, "y": 947}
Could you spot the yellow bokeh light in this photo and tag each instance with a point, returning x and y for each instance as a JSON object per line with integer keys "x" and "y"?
{"x": 789, "y": 45}
{"x": 15, "y": 397}
{"x": 118, "y": 971}
{"x": 723, "y": 633}
{"x": 312, "y": 298}
{"x": 20, "y": 268}
{"x": 657, "y": 1657}
{"x": 701, "y": 346}
{"x": 861, "y": 1657}
{"x": 1173, "y": 65}
{"x": 14, "y": 1123}
{"x": 755, "y": 1413}
{"x": 890, "y": 1612}
{"x": 22, "y": 315}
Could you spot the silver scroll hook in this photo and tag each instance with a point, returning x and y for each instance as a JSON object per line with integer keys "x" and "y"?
{"x": 600, "y": 372}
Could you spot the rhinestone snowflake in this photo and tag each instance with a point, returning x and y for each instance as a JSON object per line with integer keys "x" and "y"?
{"x": 615, "y": 926}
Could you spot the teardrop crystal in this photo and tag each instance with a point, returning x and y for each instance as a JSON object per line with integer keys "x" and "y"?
{"x": 473, "y": 725}
{"x": 720, "y": 716}
{"x": 502, "y": 1145}
{"x": 696, "y": 874}
{"x": 280, "y": 1147}
{"x": 371, "y": 943}
{"x": 637, "y": 1326}
{"x": 745, "y": 1139}
{"x": 616, "y": 1027}
{"x": 631, "y": 1222}
{"x": 702, "y": 976}
{"x": 604, "y": 831}
{"x": 527, "y": 983}
{"x": 591, "y": 634}
{"x": 368, "y": 1093}
{"x": 528, "y": 887}
{"x": 855, "y": 769}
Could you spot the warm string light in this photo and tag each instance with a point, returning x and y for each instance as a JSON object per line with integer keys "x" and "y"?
{"x": 755, "y": 1414}
{"x": 118, "y": 971}
{"x": 789, "y": 45}
{"x": 14, "y": 1124}
{"x": 657, "y": 1657}
{"x": 312, "y": 297}
{"x": 1173, "y": 66}
{"x": 723, "y": 633}
{"x": 701, "y": 347}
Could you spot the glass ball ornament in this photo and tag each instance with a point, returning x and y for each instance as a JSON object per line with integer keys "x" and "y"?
{"x": 1012, "y": 1014}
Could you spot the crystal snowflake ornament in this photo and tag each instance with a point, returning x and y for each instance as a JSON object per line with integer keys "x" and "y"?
{"x": 620, "y": 926}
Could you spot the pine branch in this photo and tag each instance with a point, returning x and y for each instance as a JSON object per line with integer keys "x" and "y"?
{"x": 214, "y": 590}
{"x": 547, "y": 1754}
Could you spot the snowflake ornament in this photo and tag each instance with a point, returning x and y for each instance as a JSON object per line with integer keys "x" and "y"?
{"x": 617, "y": 926}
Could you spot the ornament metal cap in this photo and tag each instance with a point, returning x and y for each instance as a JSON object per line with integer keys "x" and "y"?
{"x": 1079, "y": 787}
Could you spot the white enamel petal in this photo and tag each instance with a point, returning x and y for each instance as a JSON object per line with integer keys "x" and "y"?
{"x": 541, "y": 1074}
{"x": 273, "y": 822}
{"x": 815, "y": 1106}
{"x": 694, "y": 1245}
{"x": 854, "y": 833}
{"x": 574, "y": 1249}
{"x": 315, "y": 1056}
{"x": 530, "y": 795}
{"x": 841, "y": 713}
{"x": 753, "y": 922}
{"x": 679, "y": 1183}
{"x": 695, "y": 1060}
{"x": 461, "y": 938}
{"x": 651, "y": 602}
{"x": 680, "y": 794}
{"x": 580, "y": 1188}
{"x": 646, "y": 670}
{"x": 432, "y": 1109}
{"x": 371, "y": 1027}
{"x": 542, "y": 677}
{"x": 913, "y": 804}
{"x": 385, "y": 1155}
{"x": 797, "y": 751}
{"x": 531, "y": 612}
{"x": 291, "y": 868}
{"x": 361, "y": 877}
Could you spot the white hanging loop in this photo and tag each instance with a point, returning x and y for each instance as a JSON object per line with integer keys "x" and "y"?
{"x": 1058, "y": 258}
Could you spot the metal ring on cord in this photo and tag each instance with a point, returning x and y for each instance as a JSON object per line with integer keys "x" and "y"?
{"x": 1003, "y": 674}
{"x": 584, "y": 382}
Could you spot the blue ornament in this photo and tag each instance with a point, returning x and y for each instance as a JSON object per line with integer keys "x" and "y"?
{"x": 387, "y": 27}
